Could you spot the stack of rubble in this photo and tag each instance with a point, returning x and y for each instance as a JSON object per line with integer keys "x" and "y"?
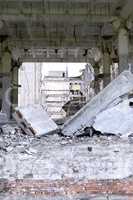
{"x": 11, "y": 136}
{"x": 110, "y": 112}
{"x": 34, "y": 120}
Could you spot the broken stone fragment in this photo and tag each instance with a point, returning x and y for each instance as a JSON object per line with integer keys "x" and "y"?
{"x": 89, "y": 149}
{"x": 117, "y": 120}
{"x": 28, "y": 176}
{"x": 34, "y": 120}
{"x": 131, "y": 104}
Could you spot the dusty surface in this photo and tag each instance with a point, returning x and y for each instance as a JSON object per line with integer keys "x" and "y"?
{"x": 57, "y": 158}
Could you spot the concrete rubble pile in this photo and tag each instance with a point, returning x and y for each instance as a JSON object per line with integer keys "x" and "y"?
{"x": 12, "y": 137}
{"x": 55, "y": 158}
{"x": 34, "y": 120}
{"x": 109, "y": 112}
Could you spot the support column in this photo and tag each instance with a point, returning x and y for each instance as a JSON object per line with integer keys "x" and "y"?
{"x": 96, "y": 83}
{"x": 6, "y": 100}
{"x": 123, "y": 49}
{"x": 1, "y": 84}
{"x": 106, "y": 68}
{"x": 6, "y": 82}
{"x": 14, "y": 80}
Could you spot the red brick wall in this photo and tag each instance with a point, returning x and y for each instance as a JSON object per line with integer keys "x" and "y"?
{"x": 66, "y": 187}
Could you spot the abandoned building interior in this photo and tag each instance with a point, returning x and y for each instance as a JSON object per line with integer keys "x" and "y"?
{"x": 66, "y": 136}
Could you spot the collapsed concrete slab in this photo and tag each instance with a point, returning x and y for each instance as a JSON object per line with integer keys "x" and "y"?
{"x": 34, "y": 120}
{"x": 116, "y": 120}
{"x": 85, "y": 117}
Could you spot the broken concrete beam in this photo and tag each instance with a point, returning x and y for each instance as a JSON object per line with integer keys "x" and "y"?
{"x": 34, "y": 120}
{"x": 85, "y": 116}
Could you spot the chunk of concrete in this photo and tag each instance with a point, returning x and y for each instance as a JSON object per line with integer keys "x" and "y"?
{"x": 33, "y": 119}
{"x": 85, "y": 117}
{"x": 116, "y": 120}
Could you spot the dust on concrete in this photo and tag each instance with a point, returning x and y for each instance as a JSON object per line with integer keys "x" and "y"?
{"x": 54, "y": 158}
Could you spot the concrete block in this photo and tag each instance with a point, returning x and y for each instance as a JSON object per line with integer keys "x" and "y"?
{"x": 116, "y": 120}
{"x": 34, "y": 120}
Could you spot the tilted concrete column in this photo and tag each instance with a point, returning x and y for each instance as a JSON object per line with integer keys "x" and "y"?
{"x": 123, "y": 49}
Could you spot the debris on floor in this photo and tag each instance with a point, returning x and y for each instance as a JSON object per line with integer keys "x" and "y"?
{"x": 55, "y": 158}
{"x": 12, "y": 137}
{"x": 52, "y": 157}
{"x": 34, "y": 120}
{"x": 110, "y": 96}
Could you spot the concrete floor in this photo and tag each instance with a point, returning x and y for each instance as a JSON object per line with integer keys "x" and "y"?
{"x": 56, "y": 158}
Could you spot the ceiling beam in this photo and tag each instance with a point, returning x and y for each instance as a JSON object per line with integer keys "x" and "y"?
{"x": 53, "y": 42}
{"x": 71, "y": 19}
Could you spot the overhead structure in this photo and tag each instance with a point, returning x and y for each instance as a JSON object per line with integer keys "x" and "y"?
{"x": 64, "y": 31}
